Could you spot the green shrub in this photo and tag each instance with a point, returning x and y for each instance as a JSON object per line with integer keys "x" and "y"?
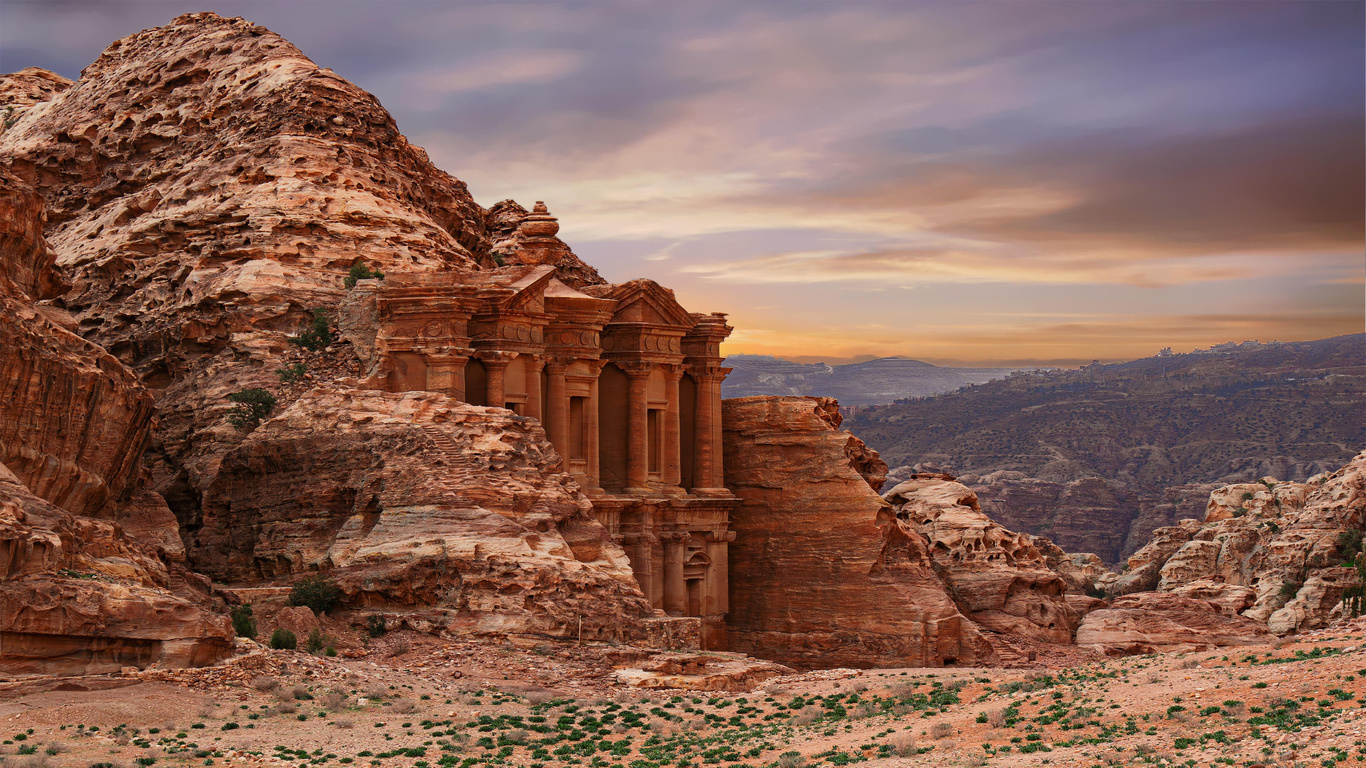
{"x": 315, "y": 642}
{"x": 243, "y": 625}
{"x": 317, "y": 334}
{"x": 361, "y": 271}
{"x": 283, "y": 640}
{"x": 1291, "y": 588}
{"x": 330, "y": 651}
{"x": 375, "y": 626}
{"x": 499, "y": 258}
{"x": 253, "y": 405}
{"x": 317, "y": 592}
{"x": 291, "y": 372}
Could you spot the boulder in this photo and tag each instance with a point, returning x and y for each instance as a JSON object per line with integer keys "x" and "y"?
{"x": 1160, "y": 622}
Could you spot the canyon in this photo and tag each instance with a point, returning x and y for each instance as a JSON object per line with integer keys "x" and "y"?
{"x": 251, "y": 334}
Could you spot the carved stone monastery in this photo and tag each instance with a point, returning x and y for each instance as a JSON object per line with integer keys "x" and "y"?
{"x": 626, "y": 382}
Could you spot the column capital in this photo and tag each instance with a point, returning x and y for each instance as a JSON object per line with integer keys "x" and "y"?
{"x": 636, "y": 369}
{"x": 721, "y": 536}
{"x": 495, "y": 358}
{"x": 556, "y": 363}
{"x": 707, "y": 370}
{"x": 673, "y": 371}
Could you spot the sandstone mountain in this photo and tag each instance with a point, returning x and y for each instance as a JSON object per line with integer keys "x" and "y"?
{"x": 867, "y": 383}
{"x": 208, "y": 187}
{"x": 1097, "y": 458}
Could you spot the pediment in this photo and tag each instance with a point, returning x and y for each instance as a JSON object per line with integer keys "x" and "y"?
{"x": 647, "y": 302}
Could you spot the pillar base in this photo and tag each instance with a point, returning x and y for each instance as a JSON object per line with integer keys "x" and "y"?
{"x": 712, "y": 492}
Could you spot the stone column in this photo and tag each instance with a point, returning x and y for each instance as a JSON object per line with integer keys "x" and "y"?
{"x": 672, "y": 465}
{"x": 534, "y": 363}
{"x": 590, "y": 418}
{"x": 496, "y": 366}
{"x": 637, "y": 428}
{"x": 708, "y": 422}
{"x": 675, "y": 589}
{"x": 446, "y": 374}
{"x": 718, "y": 578}
{"x": 557, "y": 408}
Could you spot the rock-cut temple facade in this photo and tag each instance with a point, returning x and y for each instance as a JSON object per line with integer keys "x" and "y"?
{"x": 627, "y": 384}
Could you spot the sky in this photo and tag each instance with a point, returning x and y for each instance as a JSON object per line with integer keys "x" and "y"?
{"x": 1020, "y": 182}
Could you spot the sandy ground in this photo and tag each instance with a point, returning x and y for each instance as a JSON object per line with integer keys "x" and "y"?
{"x": 418, "y": 701}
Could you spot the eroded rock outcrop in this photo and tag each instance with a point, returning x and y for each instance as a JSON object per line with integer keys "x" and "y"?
{"x": 998, "y": 577}
{"x": 1160, "y": 622}
{"x": 1269, "y": 551}
{"x": 445, "y": 515}
{"x": 821, "y": 571}
{"x": 77, "y": 594}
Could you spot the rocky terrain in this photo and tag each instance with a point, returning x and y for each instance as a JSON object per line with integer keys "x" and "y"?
{"x": 1278, "y": 553}
{"x": 1097, "y": 458}
{"x": 854, "y": 384}
{"x": 413, "y": 701}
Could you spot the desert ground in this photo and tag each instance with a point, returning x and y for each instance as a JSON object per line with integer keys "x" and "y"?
{"x": 407, "y": 699}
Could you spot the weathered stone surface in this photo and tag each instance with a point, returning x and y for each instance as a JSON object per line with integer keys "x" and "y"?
{"x": 442, "y": 514}
{"x": 998, "y": 577}
{"x": 78, "y": 595}
{"x": 21, "y": 90}
{"x": 1160, "y": 622}
{"x": 1277, "y": 541}
{"x": 821, "y": 571}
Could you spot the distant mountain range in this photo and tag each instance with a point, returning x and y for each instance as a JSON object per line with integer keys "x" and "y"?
{"x": 869, "y": 383}
{"x": 1096, "y": 457}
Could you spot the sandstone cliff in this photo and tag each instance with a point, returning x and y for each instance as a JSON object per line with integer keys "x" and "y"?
{"x": 78, "y": 595}
{"x": 444, "y": 515}
{"x": 821, "y": 571}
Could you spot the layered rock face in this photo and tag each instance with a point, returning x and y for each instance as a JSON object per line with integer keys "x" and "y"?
{"x": 821, "y": 571}
{"x": 1267, "y": 551}
{"x": 447, "y": 515}
{"x": 1160, "y": 622}
{"x": 77, "y": 595}
{"x": 1000, "y": 578}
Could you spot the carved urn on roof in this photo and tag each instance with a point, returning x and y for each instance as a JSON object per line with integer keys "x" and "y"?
{"x": 539, "y": 224}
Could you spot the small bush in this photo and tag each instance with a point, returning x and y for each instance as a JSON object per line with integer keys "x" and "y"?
{"x": 375, "y": 626}
{"x": 264, "y": 684}
{"x": 317, "y": 334}
{"x": 283, "y": 639}
{"x": 252, "y": 406}
{"x": 361, "y": 271}
{"x": 941, "y": 730}
{"x": 499, "y": 258}
{"x": 317, "y": 592}
{"x": 329, "y": 651}
{"x": 243, "y": 625}
{"x": 291, "y": 372}
{"x": 904, "y": 745}
{"x": 315, "y": 642}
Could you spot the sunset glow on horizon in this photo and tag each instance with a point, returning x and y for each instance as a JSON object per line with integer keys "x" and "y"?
{"x": 991, "y": 183}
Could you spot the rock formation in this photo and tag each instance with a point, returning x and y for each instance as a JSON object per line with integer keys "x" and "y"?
{"x": 821, "y": 571}
{"x": 77, "y": 595}
{"x": 1160, "y": 622}
{"x": 440, "y": 514}
{"x": 999, "y": 578}
{"x": 1269, "y": 551}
